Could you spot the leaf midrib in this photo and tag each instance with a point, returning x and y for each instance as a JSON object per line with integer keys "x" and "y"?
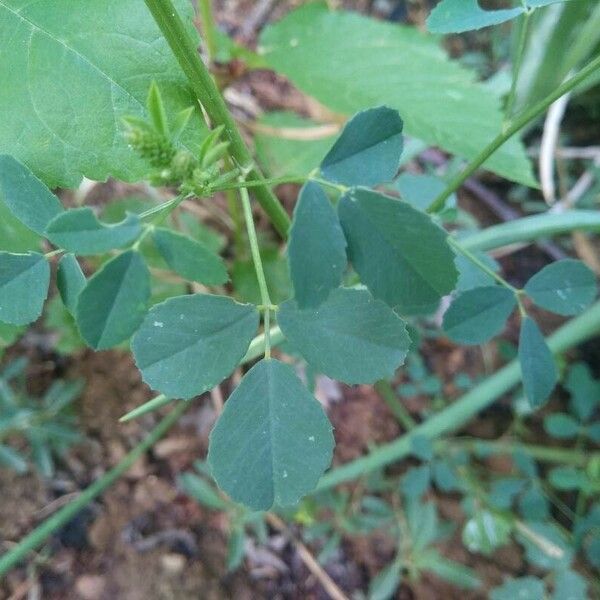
{"x": 211, "y": 335}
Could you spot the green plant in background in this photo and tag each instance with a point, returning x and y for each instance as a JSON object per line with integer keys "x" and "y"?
{"x": 34, "y": 430}
{"x": 363, "y": 267}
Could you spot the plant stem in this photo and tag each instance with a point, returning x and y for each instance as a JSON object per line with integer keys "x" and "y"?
{"x": 385, "y": 390}
{"x": 478, "y": 263}
{"x": 258, "y": 266}
{"x": 208, "y": 28}
{"x": 517, "y": 66}
{"x": 513, "y": 126}
{"x": 567, "y": 456}
{"x": 250, "y": 184}
{"x": 65, "y": 514}
{"x": 532, "y": 228}
{"x": 457, "y": 414}
{"x": 205, "y": 90}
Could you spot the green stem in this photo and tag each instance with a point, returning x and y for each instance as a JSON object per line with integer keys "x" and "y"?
{"x": 150, "y": 406}
{"x": 517, "y": 66}
{"x": 37, "y": 537}
{"x": 532, "y": 228}
{"x": 385, "y": 390}
{"x": 250, "y": 184}
{"x": 205, "y": 90}
{"x": 208, "y": 28}
{"x": 457, "y": 414}
{"x": 513, "y": 126}
{"x": 567, "y": 456}
{"x": 258, "y": 266}
{"x": 481, "y": 265}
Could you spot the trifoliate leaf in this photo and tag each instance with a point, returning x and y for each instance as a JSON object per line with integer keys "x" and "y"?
{"x": 566, "y": 287}
{"x": 24, "y": 280}
{"x": 317, "y": 247}
{"x": 189, "y": 258}
{"x": 72, "y": 73}
{"x": 189, "y": 344}
{"x": 477, "y": 315}
{"x": 113, "y": 303}
{"x": 79, "y": 231}
{"x": 70, "y": 281}
{"x": 537, "y": 364}
{"x": 399, "y": 253}
{"x": 284, "y": 445}
{"x": 456, "y": 16}
{"x": 27, "y": 198}
{"x": 368, "y": 150}
{"x": 350, "y": 337}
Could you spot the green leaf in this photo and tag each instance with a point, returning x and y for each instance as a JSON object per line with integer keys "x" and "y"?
{"x": 384, "y": 585}
{"x": 27, "y": 198}
{"x": 479, "y": 314}
{"x": 62, "y": 324}
{"x": 537, "y": 364}
{"x": 70, "y": 281}
{"x": 72, "y": 73}
{"x": 567, "y": 478}
{"x": 350, "y": 337}
{"x": 566, "y": 287}
{"x": 421, "y": 190}
{"x": 331, "y": 55}
{"x": 533, "y": 504}
{"x": 284, "y": 445}
{"x": 584, "y": 390}
{"x": 368, "y": 150}
{"x": 79, "y": 231}
{"x": 541, "y": 3}
{"x": 456, "y": 16}
{"x": 485, "y": 532}
{"x": 189, "y": 258}
{"x": 386, "y": 238}
{"x": 201, "y": 491}
{"x": 549, "y": 549}
{"x": 470, "y": 275}
{"x": 24, "y": 280}
{"x": 8, "y": 335}
{"x": 449, "y": 570}
{"x": 316, "y": 248}
{"x": 189, "y": 344}
{"x": 561, "y": 426}
{"x": 287, "y": 144}
{"x": 415, "y": 481}
{"x": 569, "y": 585}
{"x": 113, "y": 303}
{"x": 14, "y": 236}
{"x": 523, "y": 588}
